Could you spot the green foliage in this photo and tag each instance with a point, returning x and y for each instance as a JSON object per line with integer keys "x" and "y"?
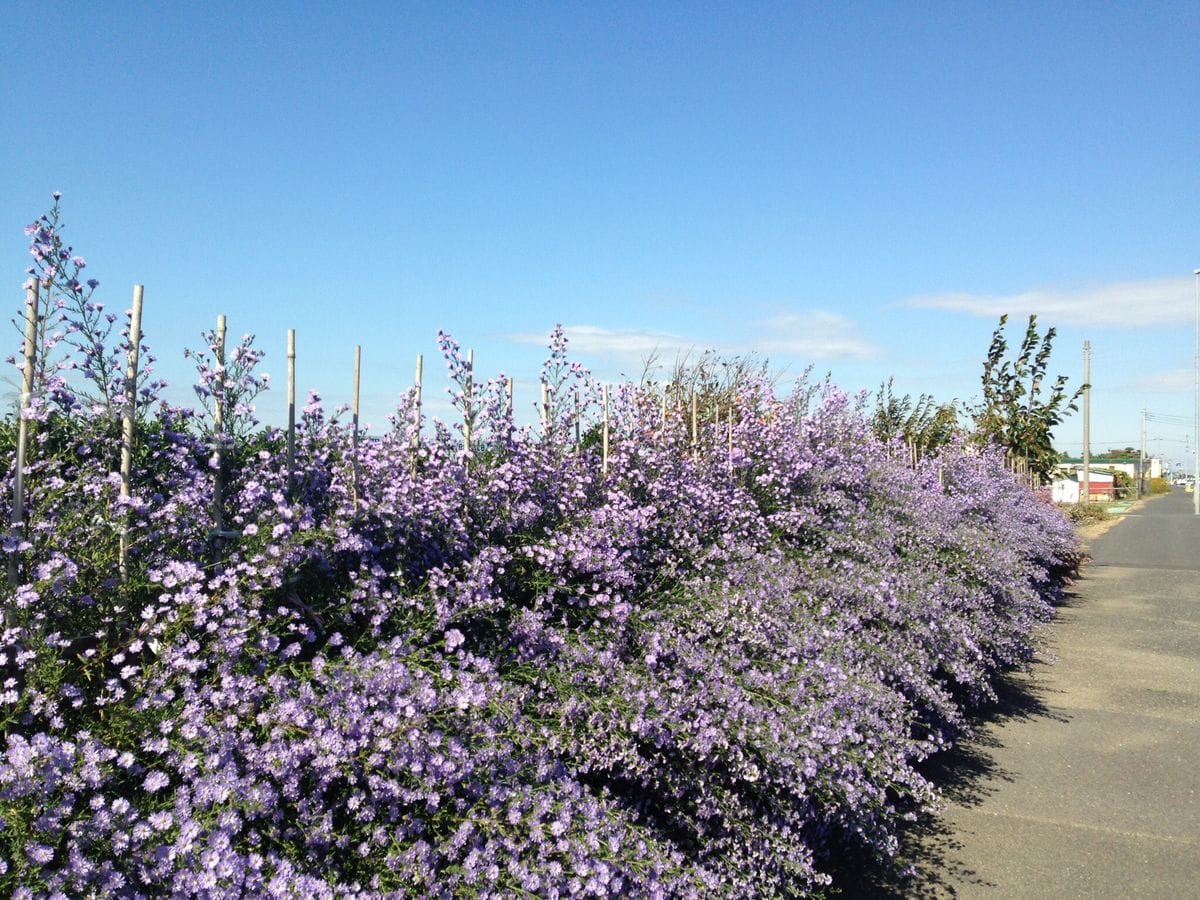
{"x": 717, "y": 382}
{"x": 1016, "y": 411}
{"x": 1087, "y": 513}
{"x": 923, "y": 424}
{"x": 1121, "y": 478}
{"x": 1124, "y": 484}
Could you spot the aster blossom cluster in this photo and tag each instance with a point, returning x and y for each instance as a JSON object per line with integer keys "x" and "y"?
{"x": 80, "y": 363}
{"x": 702, "y": 667}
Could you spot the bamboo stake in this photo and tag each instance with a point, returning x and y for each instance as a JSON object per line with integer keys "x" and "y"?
{"x": 415, "y": 442}
{"x": 468, "y": 410}
{"x": 419, "y": 377}
{"x": 604, "y": 437}
{"x": 30, "y": 361}
{"x": 219, "y": 400}
{"x": 219, "y": 427}
{"x": 416, "y": 437}
{"x": 291, "y": 402}
{"x": 729, "y": 456}
{"x": 545, "y": 410}
{"x": 508, "y": 412}
{"x": 354, "y": 433}
{"x": 127, "y": 426}
{"x": 695, "y": 426}
{"x": 578, "y": 435}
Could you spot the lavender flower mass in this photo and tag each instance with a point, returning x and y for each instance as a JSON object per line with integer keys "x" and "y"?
{"x": 680, "y": 662}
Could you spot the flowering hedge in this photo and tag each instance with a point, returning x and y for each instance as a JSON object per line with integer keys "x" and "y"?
{"x": 706, "y": 671}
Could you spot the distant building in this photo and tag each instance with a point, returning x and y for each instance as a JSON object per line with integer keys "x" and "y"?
{"x": 1101, "y": 488}
{"x": 1127, "y": 464}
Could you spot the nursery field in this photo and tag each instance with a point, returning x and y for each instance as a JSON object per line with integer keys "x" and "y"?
{"x": 631, "y": 650}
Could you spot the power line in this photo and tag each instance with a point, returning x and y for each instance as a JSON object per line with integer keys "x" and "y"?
{"x": 1168, "y": 419}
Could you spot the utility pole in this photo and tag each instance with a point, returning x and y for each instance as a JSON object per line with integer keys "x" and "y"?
{"x": 1087, "y": 422}
{"x": 1142, "y": 460}
{"x": 1196, "y": 470}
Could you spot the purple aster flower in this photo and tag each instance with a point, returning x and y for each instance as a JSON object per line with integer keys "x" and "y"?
{"x": 39, "y": 853}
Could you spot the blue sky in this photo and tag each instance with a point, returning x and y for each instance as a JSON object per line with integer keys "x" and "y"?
{"x": 863, "y": 188}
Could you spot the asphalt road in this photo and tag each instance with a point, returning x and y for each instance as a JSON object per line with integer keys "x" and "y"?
{"x": 1084, "y": 780}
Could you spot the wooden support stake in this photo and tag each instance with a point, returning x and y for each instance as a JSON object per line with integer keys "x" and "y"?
{"x": 418, "y": 378}
{"x": 354, "y": 432}
{"x": 291, "y": 402}
{"x": 468, "y": 401}
{"x": 695, "y": 426}
{"x": 545, "y": 410}
{"x": 128, "y": 422}
{"x": 29, "y": 351}
{"x": 578, "y": 432}
{"x": 604, "y": 437}
{"x": 219, "y": 429}
{"x": 416, "y": 423}
{"x": 729, "y": 455}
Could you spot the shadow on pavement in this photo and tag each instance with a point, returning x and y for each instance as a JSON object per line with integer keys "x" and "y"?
{"x": 929, "y": 850}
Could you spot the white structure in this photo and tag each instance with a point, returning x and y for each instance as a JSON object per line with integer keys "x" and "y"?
{"x": 1063, "y": 491}
{"x": 1100, "y": 488}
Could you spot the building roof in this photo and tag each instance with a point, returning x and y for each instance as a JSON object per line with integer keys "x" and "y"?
{"x": 1078, "y": 461}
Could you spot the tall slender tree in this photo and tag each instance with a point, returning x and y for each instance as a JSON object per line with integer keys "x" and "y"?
{"x": 1017, "y": 411}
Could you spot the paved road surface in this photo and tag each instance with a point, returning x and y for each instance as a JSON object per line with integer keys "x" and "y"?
{"x": 1087, "y": 781}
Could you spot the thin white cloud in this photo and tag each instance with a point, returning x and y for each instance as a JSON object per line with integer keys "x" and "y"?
{"x": 1154, "y": 301}
{"x": 626, "y": 349}
{"x": 814, "y": 335}
{"x": 1179, "y": 381}
{"x": 596, "y": 341}
{"x": 808, "y": 335}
